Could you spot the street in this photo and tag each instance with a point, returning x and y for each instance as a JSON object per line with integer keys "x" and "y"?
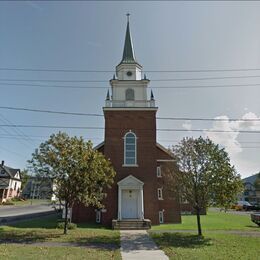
{"x": 15, "y": 213}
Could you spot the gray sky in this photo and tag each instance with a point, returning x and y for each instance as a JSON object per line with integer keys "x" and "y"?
{"x": 166, "y": 36}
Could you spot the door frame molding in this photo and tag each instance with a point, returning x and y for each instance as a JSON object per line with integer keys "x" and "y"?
{"x": 131, "y": 183}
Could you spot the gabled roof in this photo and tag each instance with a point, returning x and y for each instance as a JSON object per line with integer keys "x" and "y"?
{"x": 159, "y": 146}
{"x": 251, "y": 179}
{"x": 130, "y": 181}
{"x": 165, "y": 150}
{"x": 99, "y": 145}
{"x": 10, "y": 171}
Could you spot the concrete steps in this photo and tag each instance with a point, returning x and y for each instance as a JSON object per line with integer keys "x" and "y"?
{"x": 131, "y": 224}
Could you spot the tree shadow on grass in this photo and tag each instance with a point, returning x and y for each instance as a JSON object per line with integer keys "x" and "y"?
{"x": 106, "y": 242}
{"x": 25, "y": 237}
{"x": 92, "y": 225}
{"x": 181, "y": 240}
{"x": 99, "y": 241}
{"x": 47, "y": 222}
{"x": 253, "y": 226}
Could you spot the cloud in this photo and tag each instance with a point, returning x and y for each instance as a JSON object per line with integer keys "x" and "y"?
{"x": 226, "y": 139}
{"x": 249, "y": 125}
{"x": 187, "y": 125}
{"x": 34, "y": 5}
{"x": 229, "y": 140}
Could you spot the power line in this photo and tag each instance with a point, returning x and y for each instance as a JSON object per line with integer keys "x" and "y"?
{"x": 12, "y": 152}
{"x": 51, "y": 86}
{"x": 99, "y": 138}
{"x": 161, "y": 141}
{"x": 105, "y": 87}
{"x": 4, "y": 120}
{"x": 248, "y": 147}
{"x": 208, "y": 119}
{"x": 105, "y": 71}
{"x": 50, "y": 111}
{"x": 102, "y": 128}
{"x": 161, "y": 80}
{"x": 101, "y": 115}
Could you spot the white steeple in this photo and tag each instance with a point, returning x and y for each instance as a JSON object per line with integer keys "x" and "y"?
{"x": 128, "y": 88}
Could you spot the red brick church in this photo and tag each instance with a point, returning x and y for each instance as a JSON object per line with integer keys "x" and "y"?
{"x": 130, "y": 143}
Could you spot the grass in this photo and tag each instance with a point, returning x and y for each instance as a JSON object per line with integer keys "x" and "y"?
{"x": 96, "y": 242}
{"x": 222, "y": 244}
{"x": 30, "y": 202}
{"x": 211, "y": 246}
{"x": 213, "y": 221}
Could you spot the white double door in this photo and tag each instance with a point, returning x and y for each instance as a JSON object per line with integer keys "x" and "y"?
{"x": 130, "y": 202}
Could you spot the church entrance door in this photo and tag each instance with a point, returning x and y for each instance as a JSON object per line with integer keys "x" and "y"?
{"x": 130, "y": 204}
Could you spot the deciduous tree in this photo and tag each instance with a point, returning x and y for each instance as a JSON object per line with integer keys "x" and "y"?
{"x": 203, "y": 175}
{"x": 80, "y": 173}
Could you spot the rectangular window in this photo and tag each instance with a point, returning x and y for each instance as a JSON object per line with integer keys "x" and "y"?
{"x": 159, "y": 172}
{"x": 161, "y": 220}
{"x": 183, "y": 200}
{"x": 98, "y": 216}
{"x": 159, "y": 192}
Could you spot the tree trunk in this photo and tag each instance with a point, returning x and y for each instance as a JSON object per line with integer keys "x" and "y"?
{"x": 198, "y": 221}
{"x": 66, "y": 219}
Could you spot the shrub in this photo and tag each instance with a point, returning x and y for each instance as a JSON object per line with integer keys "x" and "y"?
{"x": 60, "y": 225}
{"x": 8, "y": 202}
{"x": 17, "y": 199}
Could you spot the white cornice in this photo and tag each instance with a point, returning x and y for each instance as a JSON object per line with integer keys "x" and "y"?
{"x": 130, "y": 108}
{"x": 164, "y": 149}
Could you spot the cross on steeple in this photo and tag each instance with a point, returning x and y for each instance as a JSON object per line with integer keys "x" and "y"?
{"x": 128, "y": 53}
{"x": 128, "y": 15}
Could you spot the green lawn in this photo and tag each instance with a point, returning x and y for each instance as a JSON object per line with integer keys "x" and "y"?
{"x": 218, "y": 241}
{"x": 212, "y": 246}
{"x": 102, "y": 243}
{"x": 212, "y": 221}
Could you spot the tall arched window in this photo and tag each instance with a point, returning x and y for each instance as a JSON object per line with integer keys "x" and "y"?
{"x": 129, "y": 94}
{"x": 130, "y": 149}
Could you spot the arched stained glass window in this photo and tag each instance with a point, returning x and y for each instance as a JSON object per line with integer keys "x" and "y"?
{"x": 130, "y": 94}
{"x": 130, "y": 149}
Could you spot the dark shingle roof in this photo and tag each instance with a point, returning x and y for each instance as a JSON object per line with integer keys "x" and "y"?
{"x": 11, "y": 171}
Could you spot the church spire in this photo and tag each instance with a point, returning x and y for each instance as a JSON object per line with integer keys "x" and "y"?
{"x": 128, "y": 54}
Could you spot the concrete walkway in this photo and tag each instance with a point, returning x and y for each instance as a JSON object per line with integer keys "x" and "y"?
{"x": 136, "y": 245}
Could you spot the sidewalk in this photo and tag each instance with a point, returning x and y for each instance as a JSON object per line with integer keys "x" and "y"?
{"x": 136, "y": 244}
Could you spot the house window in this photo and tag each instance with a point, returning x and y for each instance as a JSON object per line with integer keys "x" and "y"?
{"x": 183, "y": 199}
{"x": 159, "y": 172}
{"x": 159, "y": 192}
{"x": 161, "y": 220}
{"x": 15, "y": 185}
{"x": 130, "y": 149}
{"x": 130, "y": 94}
{"x": 98, "y": 216}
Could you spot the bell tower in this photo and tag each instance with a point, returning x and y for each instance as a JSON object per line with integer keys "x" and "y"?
{"x": 130, "y": 139}
{"x": 129, "y": 88}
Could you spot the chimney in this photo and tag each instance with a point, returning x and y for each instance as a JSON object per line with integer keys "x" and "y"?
{"x": 3, "y": 162}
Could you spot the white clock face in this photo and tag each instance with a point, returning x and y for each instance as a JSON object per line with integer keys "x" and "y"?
{"x": 129, "y": 73}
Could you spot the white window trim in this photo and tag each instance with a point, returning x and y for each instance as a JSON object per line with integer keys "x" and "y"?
{"x": 98, "y": 216}
{"x": 159, "y": 171}
{"x": 160, "y": 193}
{"x": 161, "y": 217}
{"x": 134, "y": 164}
